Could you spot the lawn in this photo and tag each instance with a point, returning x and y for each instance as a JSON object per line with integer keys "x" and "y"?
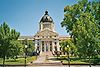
{"x": 19, "y": 60}
{"x": 76, "y": 60}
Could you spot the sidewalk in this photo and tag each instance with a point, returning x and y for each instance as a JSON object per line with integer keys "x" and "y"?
{"x": 40, "y": 59}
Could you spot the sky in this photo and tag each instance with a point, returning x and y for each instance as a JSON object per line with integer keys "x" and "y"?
{"x": 24, "y": 15}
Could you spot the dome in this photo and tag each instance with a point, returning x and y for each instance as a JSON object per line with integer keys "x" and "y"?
{"x": 46, "y": 18}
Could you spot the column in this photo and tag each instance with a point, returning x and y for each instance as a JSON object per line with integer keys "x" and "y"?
{"x": 44, "y": 46}
{"x": 53, "y": 46}
{"x": 40, "y": 46}
{"x": 35, "y": 45}
{"x": 48, "y": 45}
{"x": 58, "y": 46}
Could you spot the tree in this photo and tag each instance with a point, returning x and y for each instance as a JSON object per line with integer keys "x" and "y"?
{"x": 69, "y": 47}
{"x": 31, "y": 47}
{"x": 16, "y": 48}
{"x": 72, "y": 47}
{"x": 6, "y": 36}
{"x": 82, "y": 23}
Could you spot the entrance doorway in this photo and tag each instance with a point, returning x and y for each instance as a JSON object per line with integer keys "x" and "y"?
{"x": 46, "y": 47}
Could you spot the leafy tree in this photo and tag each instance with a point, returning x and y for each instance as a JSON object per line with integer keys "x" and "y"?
{"x": 16, "y": 48}
{"x": 6, "y": 36}
{"x": 69, "y": 47}
{"x": 31, "y": 47}
{"x": 62, "y": 44}
{"x": 72, "y": 47}
{"x": 82, "y": 23}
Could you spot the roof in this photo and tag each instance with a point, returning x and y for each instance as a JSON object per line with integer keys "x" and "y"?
{"x": 46, "y": 18}
{"x": 32, "y": 37}
{"x": 26, "y": 37}
{"x": 46, "y": 32}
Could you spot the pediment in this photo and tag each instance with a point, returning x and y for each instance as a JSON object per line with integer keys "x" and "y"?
{"x": 46, "y": 32}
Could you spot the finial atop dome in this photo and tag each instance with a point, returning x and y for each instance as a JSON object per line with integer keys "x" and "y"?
{"x": 46, "y": 12}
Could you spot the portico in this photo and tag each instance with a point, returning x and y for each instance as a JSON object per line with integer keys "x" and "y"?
{"x": 45, "y": 46}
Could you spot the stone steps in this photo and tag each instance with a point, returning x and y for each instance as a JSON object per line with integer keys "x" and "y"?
{"x": 46, "y": 64}
{"x": 46, "y": 53}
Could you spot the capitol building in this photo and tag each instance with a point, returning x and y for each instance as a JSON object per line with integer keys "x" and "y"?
{"x": 46, "y": 39}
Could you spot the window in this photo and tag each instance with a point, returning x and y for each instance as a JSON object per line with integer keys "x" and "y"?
{"x": 55, "y": 43}
{"x": 37, "y": 43}
{"x": 46, "y": 36}
{"x": 50, "y": 45}
{"x": 42, "y": 36}
{"x": 38, "y": 48}
{"x": 42, "y": 47}
{"x": 46, "y": 26}
{"x": 50, "y": 36}
{"x": 42, "y": 42}
{"x": 55, "y": 48}
{"x": 54, "y": 36}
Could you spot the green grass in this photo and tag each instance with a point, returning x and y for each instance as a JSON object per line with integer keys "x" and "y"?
{"x": 76, "y": 60}
{"x": 19, "y": 60}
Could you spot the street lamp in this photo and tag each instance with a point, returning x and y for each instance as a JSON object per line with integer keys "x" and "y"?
{"x": 25, "y": 51}
{"x": 25, "y": 54}
{"x": 68, "y": 56}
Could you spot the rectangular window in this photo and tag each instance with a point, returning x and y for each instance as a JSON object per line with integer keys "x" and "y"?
{"x": 55, "y": 43}
{"x": 50, "y": 47}
{"x": 43, "y": 47}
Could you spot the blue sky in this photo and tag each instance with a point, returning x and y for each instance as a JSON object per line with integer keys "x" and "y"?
{"x": 24, "y": 15}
